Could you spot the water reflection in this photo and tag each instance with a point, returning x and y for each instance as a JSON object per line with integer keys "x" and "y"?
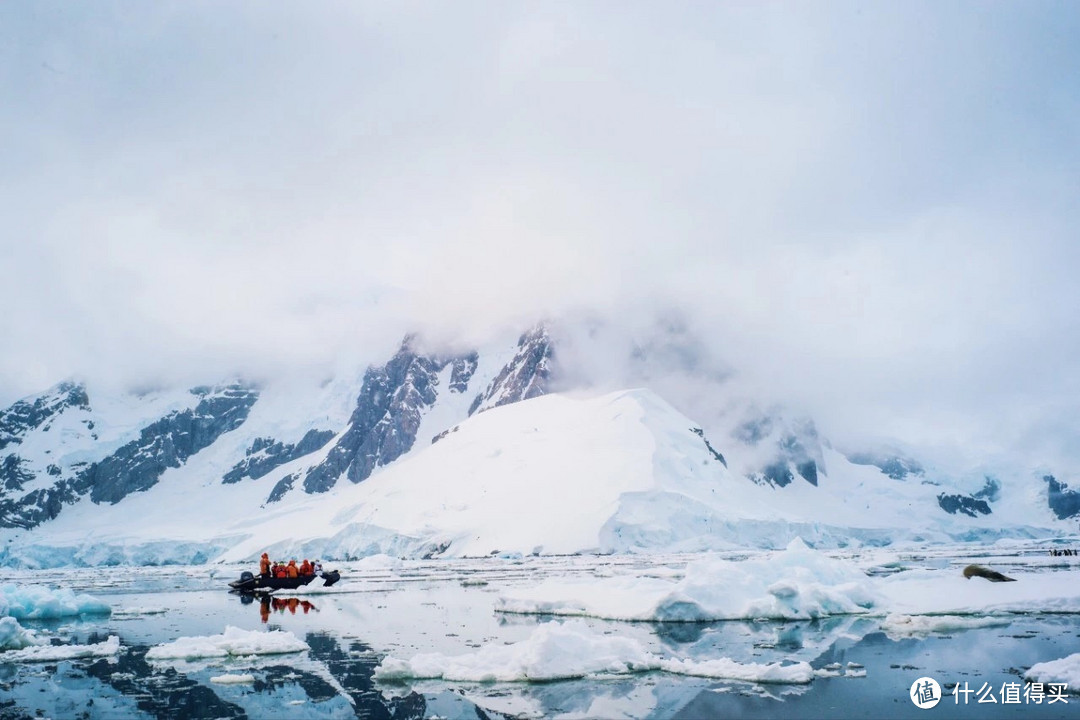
{"x": 335, "y": 678}
{"x": 281, "y": 605}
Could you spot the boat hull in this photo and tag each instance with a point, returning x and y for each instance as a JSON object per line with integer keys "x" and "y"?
{"x": 253, "y": 583}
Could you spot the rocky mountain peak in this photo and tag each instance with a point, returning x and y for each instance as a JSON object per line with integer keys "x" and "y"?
{"x": 31, "y": 413}
{"x": 526, "y": 376}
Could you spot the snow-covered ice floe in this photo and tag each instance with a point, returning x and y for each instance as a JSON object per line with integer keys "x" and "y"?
{"x": 56, "y": 653}
{"x": 795, "y": 584}
{"x": 560, "y": 651}
{"x": 898, "y": 626}
{"x": 13, "y": 636}
{"x": 29, "y": 602}
{"x": 799, "y": 584}
{"x": 228, "y": 679}
{"x": 948, "y": 592}
{"x": 233, "y": 641}
{"x": 1066, "y": 670}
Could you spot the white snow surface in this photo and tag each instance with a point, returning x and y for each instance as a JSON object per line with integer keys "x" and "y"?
{"x": 1066, "y": 670}
{"x": 56, "y": 653}
{"x": 795, "y": 584}
{"x": 233, "y": 679}
{"x": 233, "y": 641}
{"x": 31, "y": 602}
{"x": 558, "y": 474}
{"x": 799, "y": 583}
{"x": 559, "y": 651}
{"x": 898, "y": 626}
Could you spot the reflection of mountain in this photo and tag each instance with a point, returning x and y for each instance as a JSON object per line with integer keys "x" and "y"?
{"x": 329, "y": 681}
{"x": 160, "y": 693}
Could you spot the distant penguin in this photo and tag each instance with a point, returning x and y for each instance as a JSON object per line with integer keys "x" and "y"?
{"x": 992, "y": 575}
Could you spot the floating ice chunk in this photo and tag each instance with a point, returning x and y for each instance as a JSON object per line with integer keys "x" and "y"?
{"x": 232, "y": 679}
{"x": 554, "y": 651}
{"x": 898, "y": 626}
{"x": 13, "y": 636}
{"x": 233, "y": 641}
{"x": 29, "y": 602}
{"x": 557, "y": 651}
{"x": 727, "y": 669}
{"x": 56, "y": 653}
{"x": 795, "y": 584}
{"x": 947, "y": 592}
{"x": 1066, "y": 670}
{"x": 855, "y": 670}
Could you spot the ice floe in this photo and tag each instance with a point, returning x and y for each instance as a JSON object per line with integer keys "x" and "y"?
{"x": 30, "y": 602}
{"x": 898, "y": 626}
{"x": 56, "y": 653}
{"x": 795, "y": 584}
{"x": 799, "y": 584}
{"x": 1066, "y": 670}
{"x": 726, "y": 669}
{"x": 233, "y": 679}
{"x": 233, "y": 641}
{"x": 13, "y": 636}
{"x": 559, "y": 651}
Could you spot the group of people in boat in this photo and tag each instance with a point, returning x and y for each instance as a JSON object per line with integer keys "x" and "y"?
{"x": 1059, "y": 552}
{"x": 277, "y": 569}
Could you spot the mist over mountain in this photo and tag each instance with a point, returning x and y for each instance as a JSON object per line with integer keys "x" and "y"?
{"x": 674, "y": 451}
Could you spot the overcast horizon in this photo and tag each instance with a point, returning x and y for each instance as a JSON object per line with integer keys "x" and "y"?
{"x": 868, "y": 209}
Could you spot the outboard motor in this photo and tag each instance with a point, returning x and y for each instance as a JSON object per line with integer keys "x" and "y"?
{"x": 246, "y": 576}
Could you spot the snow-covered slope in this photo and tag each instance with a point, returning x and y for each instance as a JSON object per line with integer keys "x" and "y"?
{"x": 556, "y": 474}
{"x": 467, "y": 452}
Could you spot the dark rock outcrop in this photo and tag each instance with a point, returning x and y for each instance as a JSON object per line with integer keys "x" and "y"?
{"x": 282, "y": 486}
{"x": 708, "y": 445}
{"x": 388, "y": 411}
{"x": 895, "y": 466}
{"x": 267, "y": 454}
{"x": 1065, "y": 503}
{"x": 13, "y": 476}
{"x": 526, "y": 376}
{"x": 798, "y": 450}
{"x": 29, "y": 414}
{"x": 975, "y": 504}
{"x": 167, "y": 443}
{"x": 966, "y": 504}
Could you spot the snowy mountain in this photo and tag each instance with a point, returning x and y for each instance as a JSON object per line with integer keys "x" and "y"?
{"x": 470, "y": 452}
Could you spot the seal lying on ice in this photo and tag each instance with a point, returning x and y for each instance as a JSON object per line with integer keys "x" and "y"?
{"x": 992, "y": 575}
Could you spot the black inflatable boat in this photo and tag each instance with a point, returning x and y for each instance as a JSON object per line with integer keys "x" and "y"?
{"x": 249, "y": 582}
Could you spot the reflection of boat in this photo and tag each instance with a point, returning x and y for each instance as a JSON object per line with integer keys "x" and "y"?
{"x": 280, "y": 605}
{"x": 250, "y": 582}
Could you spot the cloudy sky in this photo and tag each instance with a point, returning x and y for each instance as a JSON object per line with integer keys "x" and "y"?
{"x": 868, "y": 208}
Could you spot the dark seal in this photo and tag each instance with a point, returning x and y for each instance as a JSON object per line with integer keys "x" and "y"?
{"x": 992, "y": 575}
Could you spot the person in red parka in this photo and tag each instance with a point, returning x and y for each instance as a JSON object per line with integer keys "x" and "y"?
{"x": 305, "y": 567}
{"x": 264, "y": 565}
{"x": 292, "y": 571}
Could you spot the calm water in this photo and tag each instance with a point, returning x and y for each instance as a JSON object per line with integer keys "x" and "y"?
{"x": 447, "y": 607}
